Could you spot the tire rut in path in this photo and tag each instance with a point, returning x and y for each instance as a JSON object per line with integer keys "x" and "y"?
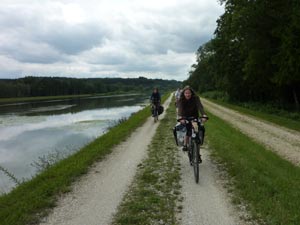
{"x": 206, "y": 202}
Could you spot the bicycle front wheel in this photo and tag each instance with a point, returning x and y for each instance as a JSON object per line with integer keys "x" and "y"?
{"x": 196, "y": 160}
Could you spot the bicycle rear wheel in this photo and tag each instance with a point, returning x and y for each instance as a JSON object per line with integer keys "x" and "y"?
{"x": 156, "y": 116}
{"x": 195, "y": 152}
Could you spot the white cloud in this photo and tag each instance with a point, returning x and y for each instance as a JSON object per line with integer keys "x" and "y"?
{"x": 92, "y": 38}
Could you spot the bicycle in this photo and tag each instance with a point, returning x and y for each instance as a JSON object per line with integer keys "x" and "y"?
{"x": 194, "y": 142}
{"x": 155, "y": 112}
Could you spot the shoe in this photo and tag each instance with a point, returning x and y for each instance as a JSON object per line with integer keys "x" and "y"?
{"x": 184, "y": 148}
{"x": 200, "y": 160}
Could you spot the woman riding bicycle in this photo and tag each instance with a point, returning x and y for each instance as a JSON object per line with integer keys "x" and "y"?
{"x": 189, "y": 105}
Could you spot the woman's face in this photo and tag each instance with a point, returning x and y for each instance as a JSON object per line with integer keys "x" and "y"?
{"x": 187, "y": 94}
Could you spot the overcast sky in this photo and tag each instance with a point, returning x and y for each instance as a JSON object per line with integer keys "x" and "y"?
{"x": 104, "y": 38}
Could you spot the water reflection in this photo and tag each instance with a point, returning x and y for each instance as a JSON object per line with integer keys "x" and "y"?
{"x": 32, "y": 130}
{"x": 70, "y": 105}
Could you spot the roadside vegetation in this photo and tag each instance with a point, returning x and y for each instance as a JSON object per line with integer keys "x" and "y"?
{"x": 55, "y": 86}
{"x": 266, "y": 112}
{"x": 30, "y": 200}
{"x": 154, "y": 195}
{"x": 259, "y": 64}
{"x": 267, "y": 184}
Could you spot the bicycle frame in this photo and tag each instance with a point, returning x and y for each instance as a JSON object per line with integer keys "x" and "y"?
{"x": 195, "y": 130}
{"x": 194, "y": 149}
{"x": 155, "y": 112}
{"x": 194, "y": 143}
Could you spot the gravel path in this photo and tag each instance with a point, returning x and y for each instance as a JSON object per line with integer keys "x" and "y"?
{"x": 283, "y": 141}
{"x": 206, "y": 202}
{"x": 95, "y": 197}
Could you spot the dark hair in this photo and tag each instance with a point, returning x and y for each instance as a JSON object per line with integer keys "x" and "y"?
{"x": 187, "y": 88}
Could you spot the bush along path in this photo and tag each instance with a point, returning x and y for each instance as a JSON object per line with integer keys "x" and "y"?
{"x": 154, "y": 195}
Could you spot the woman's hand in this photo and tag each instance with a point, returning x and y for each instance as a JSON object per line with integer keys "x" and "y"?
{"x": 182, "y": 121}
{"x": 204, "y": 118}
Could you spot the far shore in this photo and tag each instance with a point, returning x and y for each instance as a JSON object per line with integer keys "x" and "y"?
{"x": 41, "y": 98}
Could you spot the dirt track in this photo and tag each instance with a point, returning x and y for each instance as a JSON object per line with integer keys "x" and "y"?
{"x": 206, "y": 202}
{"x": 283, "y": 141}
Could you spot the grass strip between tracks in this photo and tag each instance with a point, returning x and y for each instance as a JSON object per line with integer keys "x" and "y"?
{"x": 268, "y": 184}
{"x": 29, "y": 201}
{"x": 154, "y": 194}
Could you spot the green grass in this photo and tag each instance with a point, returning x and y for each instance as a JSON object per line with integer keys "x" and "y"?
{"x": 26, "y": 203}
{"x": 267, "y": 183}
{"x": 284, "y": 121}
{"x": 154, "y": 194}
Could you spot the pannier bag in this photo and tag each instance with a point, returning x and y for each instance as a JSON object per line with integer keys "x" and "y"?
{"x": 179, "y": 132}
{"x": 201, "y": 134}
{"x": 160, "y": 109}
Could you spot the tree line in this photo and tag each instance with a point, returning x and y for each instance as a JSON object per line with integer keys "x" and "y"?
{"x": 255, "y": 53}
{"x": 52, "y": 86}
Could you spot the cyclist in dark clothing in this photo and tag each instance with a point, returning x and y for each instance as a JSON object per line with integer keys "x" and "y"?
{"x": 189, "y": 105}
{"x": 155, "y": 101}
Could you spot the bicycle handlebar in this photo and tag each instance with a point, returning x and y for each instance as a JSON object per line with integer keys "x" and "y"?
{"x": 191, "y": 118}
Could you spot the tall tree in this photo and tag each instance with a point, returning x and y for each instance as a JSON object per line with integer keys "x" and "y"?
{"x": 255, "y": 52}
{"x": 288, "y": 75}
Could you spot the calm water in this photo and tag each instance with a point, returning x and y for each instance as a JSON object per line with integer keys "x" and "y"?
{"x": 31, "y": 131}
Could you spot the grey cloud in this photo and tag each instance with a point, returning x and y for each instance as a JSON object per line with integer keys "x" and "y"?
{"x": 12, "y": 17}
{"x": 131, "y": 43}
{"x": 150, "y": 64}
{"x": 29, "y": 37}
{"x": 10, "y": 74}
{"x": 173, "y": 33}
{"x": 138, "y": 67}
{"x": 72, "y": 39}
{"x": 51, "y": 46}
{"x": 31, "y": 52}
{"x": 107, "y": 58}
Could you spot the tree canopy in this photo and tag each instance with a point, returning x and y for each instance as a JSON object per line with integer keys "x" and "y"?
{"x": 255, "y": 53}
{"x": 53, "y": 86}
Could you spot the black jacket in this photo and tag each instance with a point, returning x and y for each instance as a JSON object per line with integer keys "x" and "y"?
{"x": 155, "y": 98}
